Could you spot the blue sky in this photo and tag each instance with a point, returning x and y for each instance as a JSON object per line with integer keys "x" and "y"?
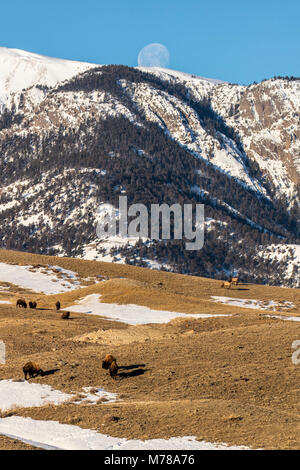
{"x": 237, "y": 41}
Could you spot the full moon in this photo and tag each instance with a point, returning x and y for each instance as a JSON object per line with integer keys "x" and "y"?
{"x": 154, "y": 55}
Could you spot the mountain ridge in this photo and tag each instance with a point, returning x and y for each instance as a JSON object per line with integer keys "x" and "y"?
{"x": 155, "y": 137}
{"x": 21, "y": 69}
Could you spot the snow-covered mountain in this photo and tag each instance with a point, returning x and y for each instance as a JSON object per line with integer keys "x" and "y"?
{"x": 20, "y": 69}
{"x": 73, "y": 135}
{"x": 265, "y": 115}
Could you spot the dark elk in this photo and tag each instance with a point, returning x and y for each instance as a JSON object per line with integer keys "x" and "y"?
{"x": 65, "y": 315}
{"x": 21, "y": 303}
{"x": 32, "y": 369}
{"x": 57, "y": 305}
{"x": 32, "y": 304}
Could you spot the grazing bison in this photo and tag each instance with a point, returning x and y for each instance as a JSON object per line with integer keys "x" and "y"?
{"x": 57, "y": 305}
{"x": 226, "y": 285}
{"x": 65, "y": 315}
{"x": 107, "y": 361}
{"x": 113, "y": 369}
{"x": 32, "y": 304}
{"x": 32, "y": 369}
{"x": 21, "y": 303}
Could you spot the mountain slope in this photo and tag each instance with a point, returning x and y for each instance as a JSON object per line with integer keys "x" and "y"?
{"x": 20, "y": 69}
{"x": 156, "y": 136}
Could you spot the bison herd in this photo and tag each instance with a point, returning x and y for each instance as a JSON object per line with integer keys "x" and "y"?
{"x": 21, "y": 303}
{"x": 32, "y": 369}
{"x": 109, "y": 362}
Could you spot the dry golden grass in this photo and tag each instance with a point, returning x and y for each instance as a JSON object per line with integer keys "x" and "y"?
{"x": 9, "y": 443}
{"x": 154, "y": 289}
{"x": 222, "y": 379}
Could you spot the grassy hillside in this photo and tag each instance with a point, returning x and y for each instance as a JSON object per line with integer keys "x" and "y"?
{"x": 155, "y": 289}
{"x": 222, "y": 379}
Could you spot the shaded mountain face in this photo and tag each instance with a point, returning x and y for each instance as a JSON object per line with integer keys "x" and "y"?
{"x": 157, "y": 137}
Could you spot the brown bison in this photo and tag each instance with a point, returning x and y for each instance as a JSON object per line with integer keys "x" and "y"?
{"x": 113, "y": 369}
{"x": 110, "y": 362}
{"x": 32, "y": 369}
{"x": 21, "y": 303}
{"x": 32, "y": 304}
{"x": 107, "y": 361}
{"x": 65, "y": 315}
{"x": 57, "y": 305}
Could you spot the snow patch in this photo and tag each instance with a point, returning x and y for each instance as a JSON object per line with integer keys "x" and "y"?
{"x": 130, "y": 314}
{"x": 21, "y": 69}
{"x": 42, "y": 279}
{"x": 251, "y": 303}
{"x": 28, "y": 395}
{"x": 52, "y": 434}
{"x": 281, "y": 317}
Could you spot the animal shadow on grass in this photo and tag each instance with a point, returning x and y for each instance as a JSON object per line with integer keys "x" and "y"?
{"x": 133, "y": 366}
{"x": 50, "y": 372}
{"x": 135, "y": 371}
